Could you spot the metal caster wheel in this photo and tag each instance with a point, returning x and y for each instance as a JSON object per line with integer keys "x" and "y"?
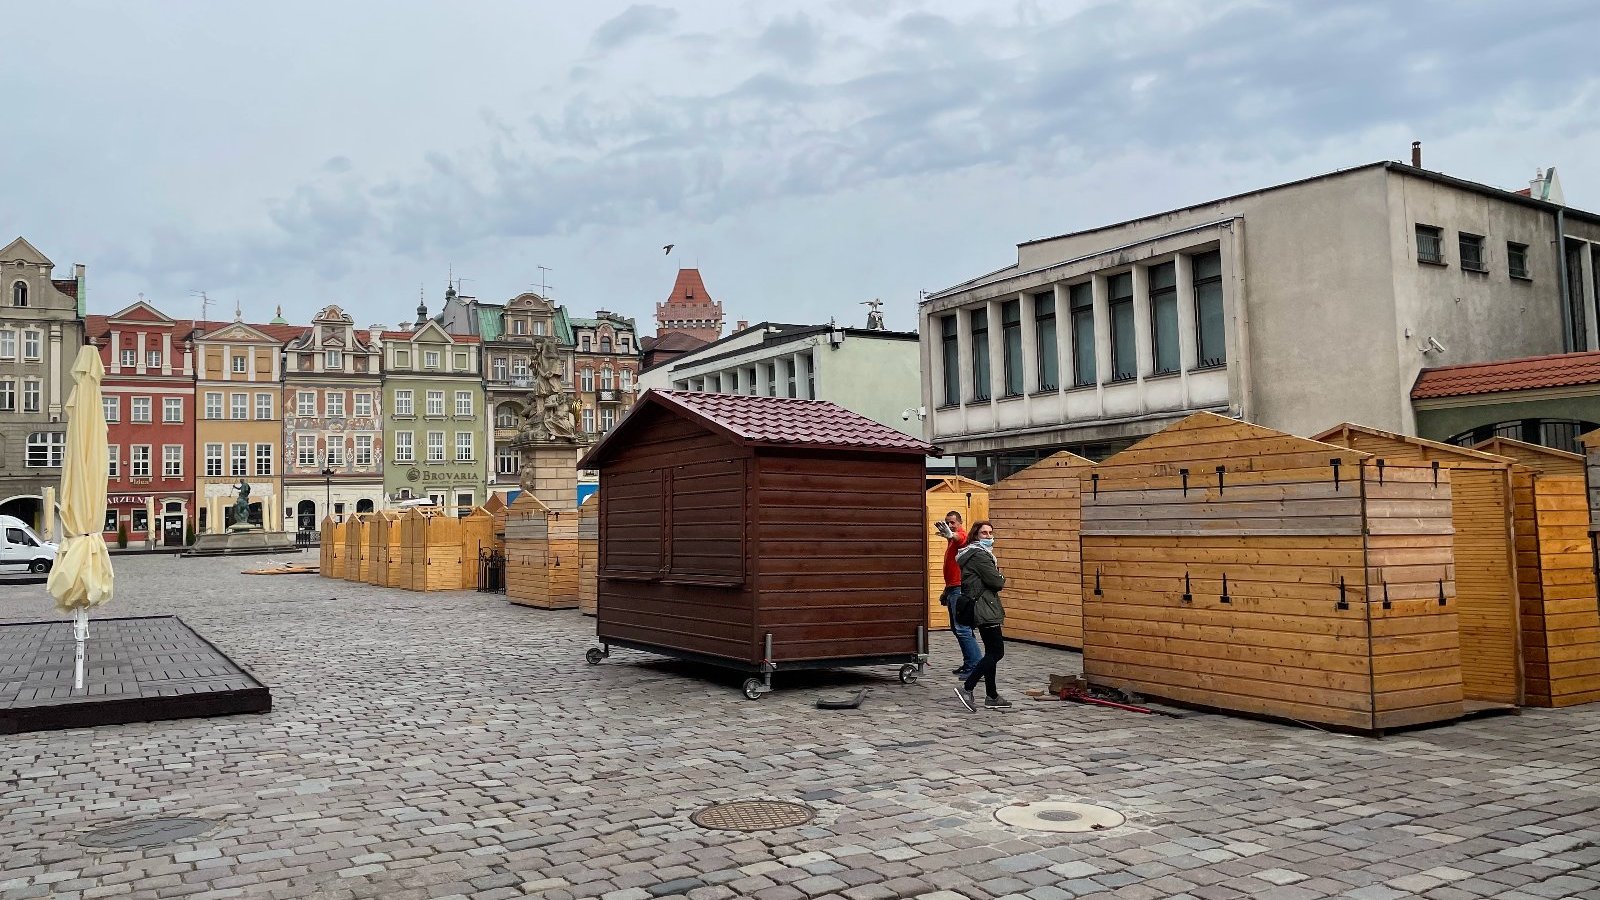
{"x": 594, "y": 655}
{"x": 908, "y": 673}
{"x": 753, "y": 689}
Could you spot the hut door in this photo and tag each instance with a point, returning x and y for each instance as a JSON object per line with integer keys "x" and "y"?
{"x": 1486, "y": 594}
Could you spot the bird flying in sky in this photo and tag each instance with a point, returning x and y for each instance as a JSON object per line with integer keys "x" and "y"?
{"x": 668, "y": 249}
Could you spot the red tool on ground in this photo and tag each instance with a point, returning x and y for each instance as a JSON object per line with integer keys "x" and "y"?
{"x": 1081, "y": 696}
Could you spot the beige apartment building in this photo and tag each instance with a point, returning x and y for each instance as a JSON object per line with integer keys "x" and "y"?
{"x": 1296, "y": 307}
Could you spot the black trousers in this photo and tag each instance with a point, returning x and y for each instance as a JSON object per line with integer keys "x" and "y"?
{"x": 994, "y": 650}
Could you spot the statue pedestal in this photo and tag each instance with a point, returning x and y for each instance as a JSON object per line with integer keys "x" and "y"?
{"x": 242, "y": 542}
{"x": 542, "y": 527}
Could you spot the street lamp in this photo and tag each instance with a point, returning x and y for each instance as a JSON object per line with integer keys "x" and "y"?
{"x": 327, "y": 496}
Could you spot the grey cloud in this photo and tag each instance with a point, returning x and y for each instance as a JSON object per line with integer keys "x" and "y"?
{"x": 795, "y": 39}
{"x": 637, "y": 21}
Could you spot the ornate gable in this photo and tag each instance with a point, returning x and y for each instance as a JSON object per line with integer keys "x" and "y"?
{"x": 20, "y": 250}
{"x": 237, "y": 333}
{"x": 139, "y": 313}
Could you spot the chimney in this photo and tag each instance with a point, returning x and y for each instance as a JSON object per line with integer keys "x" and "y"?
{"x": 740, "y": 326}
{"x": 1536, "y": 185}
{"x": 1416, "y": 154}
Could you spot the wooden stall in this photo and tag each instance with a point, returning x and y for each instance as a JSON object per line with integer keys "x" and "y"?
{"x": 331, "y": 561}
{"x": 1231, "y": 566}
{"x": 588, "y": 554}
{"x": 1591, "y": 446}
{"x": 383, "y": 546}
{"x": 541, "y": 560}
{"x": 477, "y": 535}
{"x": 1037, "y": 520}
{"x": 965, "y": 496}
{"x": 759, "y": 533}
{"x": 1487, "y": 606}
{"x": 1556, "y": 578}
{"x": 430, "y": 550}
{"x": 358, "y": 564}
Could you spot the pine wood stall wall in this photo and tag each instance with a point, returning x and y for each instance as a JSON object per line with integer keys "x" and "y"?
{"x": 390, "y": 568}
{"x": 1281, "y": 585}
{"x": 430, "y": 550}
{"x": 588, "y": 554}
{"x": 477, "y": 535}
{"x": 1037, "y": 517}
{"x": 331, "y": 565}
{"x": 1591, "y": 447}
{"x": 356, "y": 565}
{"x": 1555, "y": 562}
{"x": 965, "y": 496}
{"x": 1487, "y": 606}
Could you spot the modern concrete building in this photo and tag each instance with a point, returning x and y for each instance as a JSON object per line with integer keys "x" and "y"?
{"x": 870, "y": 372}
{"x": 333, "y": 421}
{"x": 239, "y": 430}
{"x": 433, "y": 416}
{"x": 41, "y": 329}
{"x": 1294, "y": 306}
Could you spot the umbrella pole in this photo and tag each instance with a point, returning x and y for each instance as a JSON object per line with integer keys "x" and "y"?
{"x": 80, "y": 632}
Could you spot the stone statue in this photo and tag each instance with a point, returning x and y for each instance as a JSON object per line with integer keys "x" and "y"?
{"x": 549, "y": 410}
{"x": 874, "y": 314}
{"x": 241, "y": 504}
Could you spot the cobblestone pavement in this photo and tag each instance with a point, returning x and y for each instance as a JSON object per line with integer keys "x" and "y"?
{"x": 451, "y": 745}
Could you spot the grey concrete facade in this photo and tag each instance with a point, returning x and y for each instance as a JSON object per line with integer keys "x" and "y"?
{"x": 1328, "y": 312}
{"x": 41, "y": 329}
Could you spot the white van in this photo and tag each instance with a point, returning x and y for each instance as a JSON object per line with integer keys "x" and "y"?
{"x": 21, "y": 550}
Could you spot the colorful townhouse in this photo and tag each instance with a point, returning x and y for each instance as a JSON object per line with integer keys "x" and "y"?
{"x": 333, "y": 422}
{"x": 433, "y": 416}
{"x": 149, "y": 399}
{"x": 606, "y": 366}
{"x": 239, "y": 431}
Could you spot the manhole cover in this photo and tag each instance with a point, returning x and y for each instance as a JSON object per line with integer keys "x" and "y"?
{"x": 1058, "y": 815}
{"x": 752, "y": 815}
{"x": 145, "y": 833}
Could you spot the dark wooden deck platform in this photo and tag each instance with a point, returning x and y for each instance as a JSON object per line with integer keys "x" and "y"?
{"x": 140, "y": 669}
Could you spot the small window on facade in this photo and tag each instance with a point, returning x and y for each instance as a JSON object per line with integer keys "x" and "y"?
{"x": 1080, "y": 301}
{"x": 605, "y": 345}
{"x": 1011, "y": 346}
{"x": 1164, "y": 317}
{"x": 1124, "y": 344}
{"x": 239, "y": 363}
{"x": 518, "y": 326}
{"x": 1210, "y": 336}
{"x": 19, "y": 294}
{"x": 1430, "y": 244}
{"x": 1517, "y": 260}
{"x": 980, "y": 354}
{"x": 1044, "y": 332}
{"x": 153, "y": 359}
{"x": 538, "y": 328}
{"x": 112, "y": 406}
{"x": 130, "y": 358}
{"x": 334, "y": 360}
{"x": 1471, "y": 247}
{"x": 950, "y": 360}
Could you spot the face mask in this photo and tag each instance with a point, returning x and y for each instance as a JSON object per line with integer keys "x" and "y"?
{"x": 986, "y": 543}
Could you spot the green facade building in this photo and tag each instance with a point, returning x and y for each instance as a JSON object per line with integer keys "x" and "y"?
{"x": 434, "y": 420}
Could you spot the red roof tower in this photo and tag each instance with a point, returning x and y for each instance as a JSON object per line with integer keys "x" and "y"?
{"x": 690, "y": 309}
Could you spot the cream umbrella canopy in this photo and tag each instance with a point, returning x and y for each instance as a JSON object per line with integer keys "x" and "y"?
{"x": 81, "y": 578}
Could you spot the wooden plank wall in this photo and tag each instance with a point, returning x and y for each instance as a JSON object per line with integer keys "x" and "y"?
{"x": 843, "y": 564}
{"x": 331, "y": 565}
{"x": 374, "y": 571}
{"x": 1037, "y": 520}
{"x": 442, "y": 561}
{"x": 391, "y": 566}
{"x": 1245, "y": 589}
{"x": 477, "y": 534}
{"x": 1591, "y": 443}
{"x": 965, "y": 496}
{"x": 588, "y": 554}
{"x": 355, "y": 547}
{"x": 1411, "y": 595}
{"x": 1569, "y": 619}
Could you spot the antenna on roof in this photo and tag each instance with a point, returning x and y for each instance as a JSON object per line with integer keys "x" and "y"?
{"x": 544, "y": 289}
{"x": 205, "y": 302}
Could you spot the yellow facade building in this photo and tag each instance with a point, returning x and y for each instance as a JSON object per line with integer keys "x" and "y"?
{"x": 239, "y": 423}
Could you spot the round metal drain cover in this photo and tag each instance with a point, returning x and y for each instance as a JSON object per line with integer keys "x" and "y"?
{"x": 145, "y": 833}
{"x": 1060, "y": 816}
{"x": 752, "y": 815}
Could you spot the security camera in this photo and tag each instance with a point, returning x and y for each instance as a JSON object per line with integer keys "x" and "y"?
{"x": 1433, "y": 346}
{"x": 905, "y": 416}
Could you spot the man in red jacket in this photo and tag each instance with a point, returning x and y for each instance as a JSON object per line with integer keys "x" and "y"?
{"x": 957, "y": 538}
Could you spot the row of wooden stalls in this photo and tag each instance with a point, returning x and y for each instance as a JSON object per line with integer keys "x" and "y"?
{"x": 1360, "y": 579}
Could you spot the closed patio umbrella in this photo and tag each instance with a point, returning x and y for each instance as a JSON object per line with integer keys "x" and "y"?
{"x": 81, "y": 578}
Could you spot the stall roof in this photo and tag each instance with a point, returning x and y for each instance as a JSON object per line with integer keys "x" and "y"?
{"x": 767, "y": 422}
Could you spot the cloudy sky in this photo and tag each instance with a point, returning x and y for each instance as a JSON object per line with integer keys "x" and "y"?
{"x": 807, "y": 156}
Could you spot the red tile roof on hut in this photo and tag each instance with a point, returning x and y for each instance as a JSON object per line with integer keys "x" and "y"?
{"x": 1529, "y": 373}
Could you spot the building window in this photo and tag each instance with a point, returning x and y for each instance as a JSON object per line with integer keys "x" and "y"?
{"x": 112, "y": 407}
{"x": 130, "y": 358}
{"x": 8, "y": 344}
{"x": 305, "y": 404}
{"x": 152, "y": 359}
{"x": 463, "y": 403}
{"x": 172, "y": 461}
{"x": 402, "y": 359}
{"x": 1430, "y": 244}
{"x": 772, "y": 379}
{"x": 333, "y": 359}
{"x": 1517, "y": 260}
{"x": 46, "y": 448}
{"x": 238, "y": 460}
{"x": 363, "y": 406}
{"x": 114, "y": 462}
{"x": 1124, "y": 343}
{"x": 1011, "y": 347}
{"x": 1080, "y": 305}
{"x": 586, "y": 379}
{"x": 519, "y": 326}
{"x": 363, "y": 450}
{"x": 430, "y": 359}
{"x": 605, "y": 345}
{"x": 1044, "y": 331}
{"x": 506, "y": 417}
{"x": 305, "y": 450}
{"x": 950, "y": 359}
{"x": 213, "y": 460}
{"x": 538, "y": 328}
{"x": 505, "y": 462}
{"x": 980, "y": 354}
{"x": 626, "y": 375}
{"x": 606, "y": 379}
{"x": 8, "y": 395}
{"x": 263, "y": 407}
{"x": 31, "y": 345}
{"x": 402, "y": 403}
{"x": 588, "y": 421}
{"x": 334, "y": 402}
{"x": 139, "y": 409}
{"x": 435, "y": 403}
{"x": 213, "y": 405}
{"x": 608, "y": 419}
{"x": 1164, "y": 317}
{"x": 30, "y": 395}
{"x": 139, "y": 461}
{"x": 172, "y": 409}
{"x": 1210, "y": 336}
{"x": 335, "y": 452}
{"x": 435, "y": 446}
{"x": 239, "y": 363}
{"x": 19, "y": 293}
{"x": 403, "y": 450}
{"x": 586, "y": 343}
{"x": 463, "y": 446}
{"x": 519, "y": 367}
{"x": 1471, "y": 247}
{"x": 264, "y": 459}
{"x": 622, "y": 343}
{"x": 811, "y": 376}
{"x": 241, "y": 406}
{"x": 498, "y": 366}
{"x": 788, "y": 377}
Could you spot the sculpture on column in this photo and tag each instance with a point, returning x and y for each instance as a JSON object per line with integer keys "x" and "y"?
{"x": 874, "y": 314}
{"x": 549, "y": 410}
{"x": 241, "y": 506}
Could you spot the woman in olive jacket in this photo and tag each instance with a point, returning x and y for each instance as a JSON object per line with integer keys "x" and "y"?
{"x": 981, "y": 580}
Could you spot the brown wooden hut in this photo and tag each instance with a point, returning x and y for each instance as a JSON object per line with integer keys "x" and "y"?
{"x": 1556, "y": 578}
{"x": 1485, "y": 551}
{"x": 1228, "y": 565}
{"x": 477, "y": 537}
{"x": 1037, "y": 519}
{"x": 357, "y": 565}
{"x": 588, "y": 554}
{"x": 331, "y": 561}
{"x": 965, "y": 496}
{"x": 761, "y": 533}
